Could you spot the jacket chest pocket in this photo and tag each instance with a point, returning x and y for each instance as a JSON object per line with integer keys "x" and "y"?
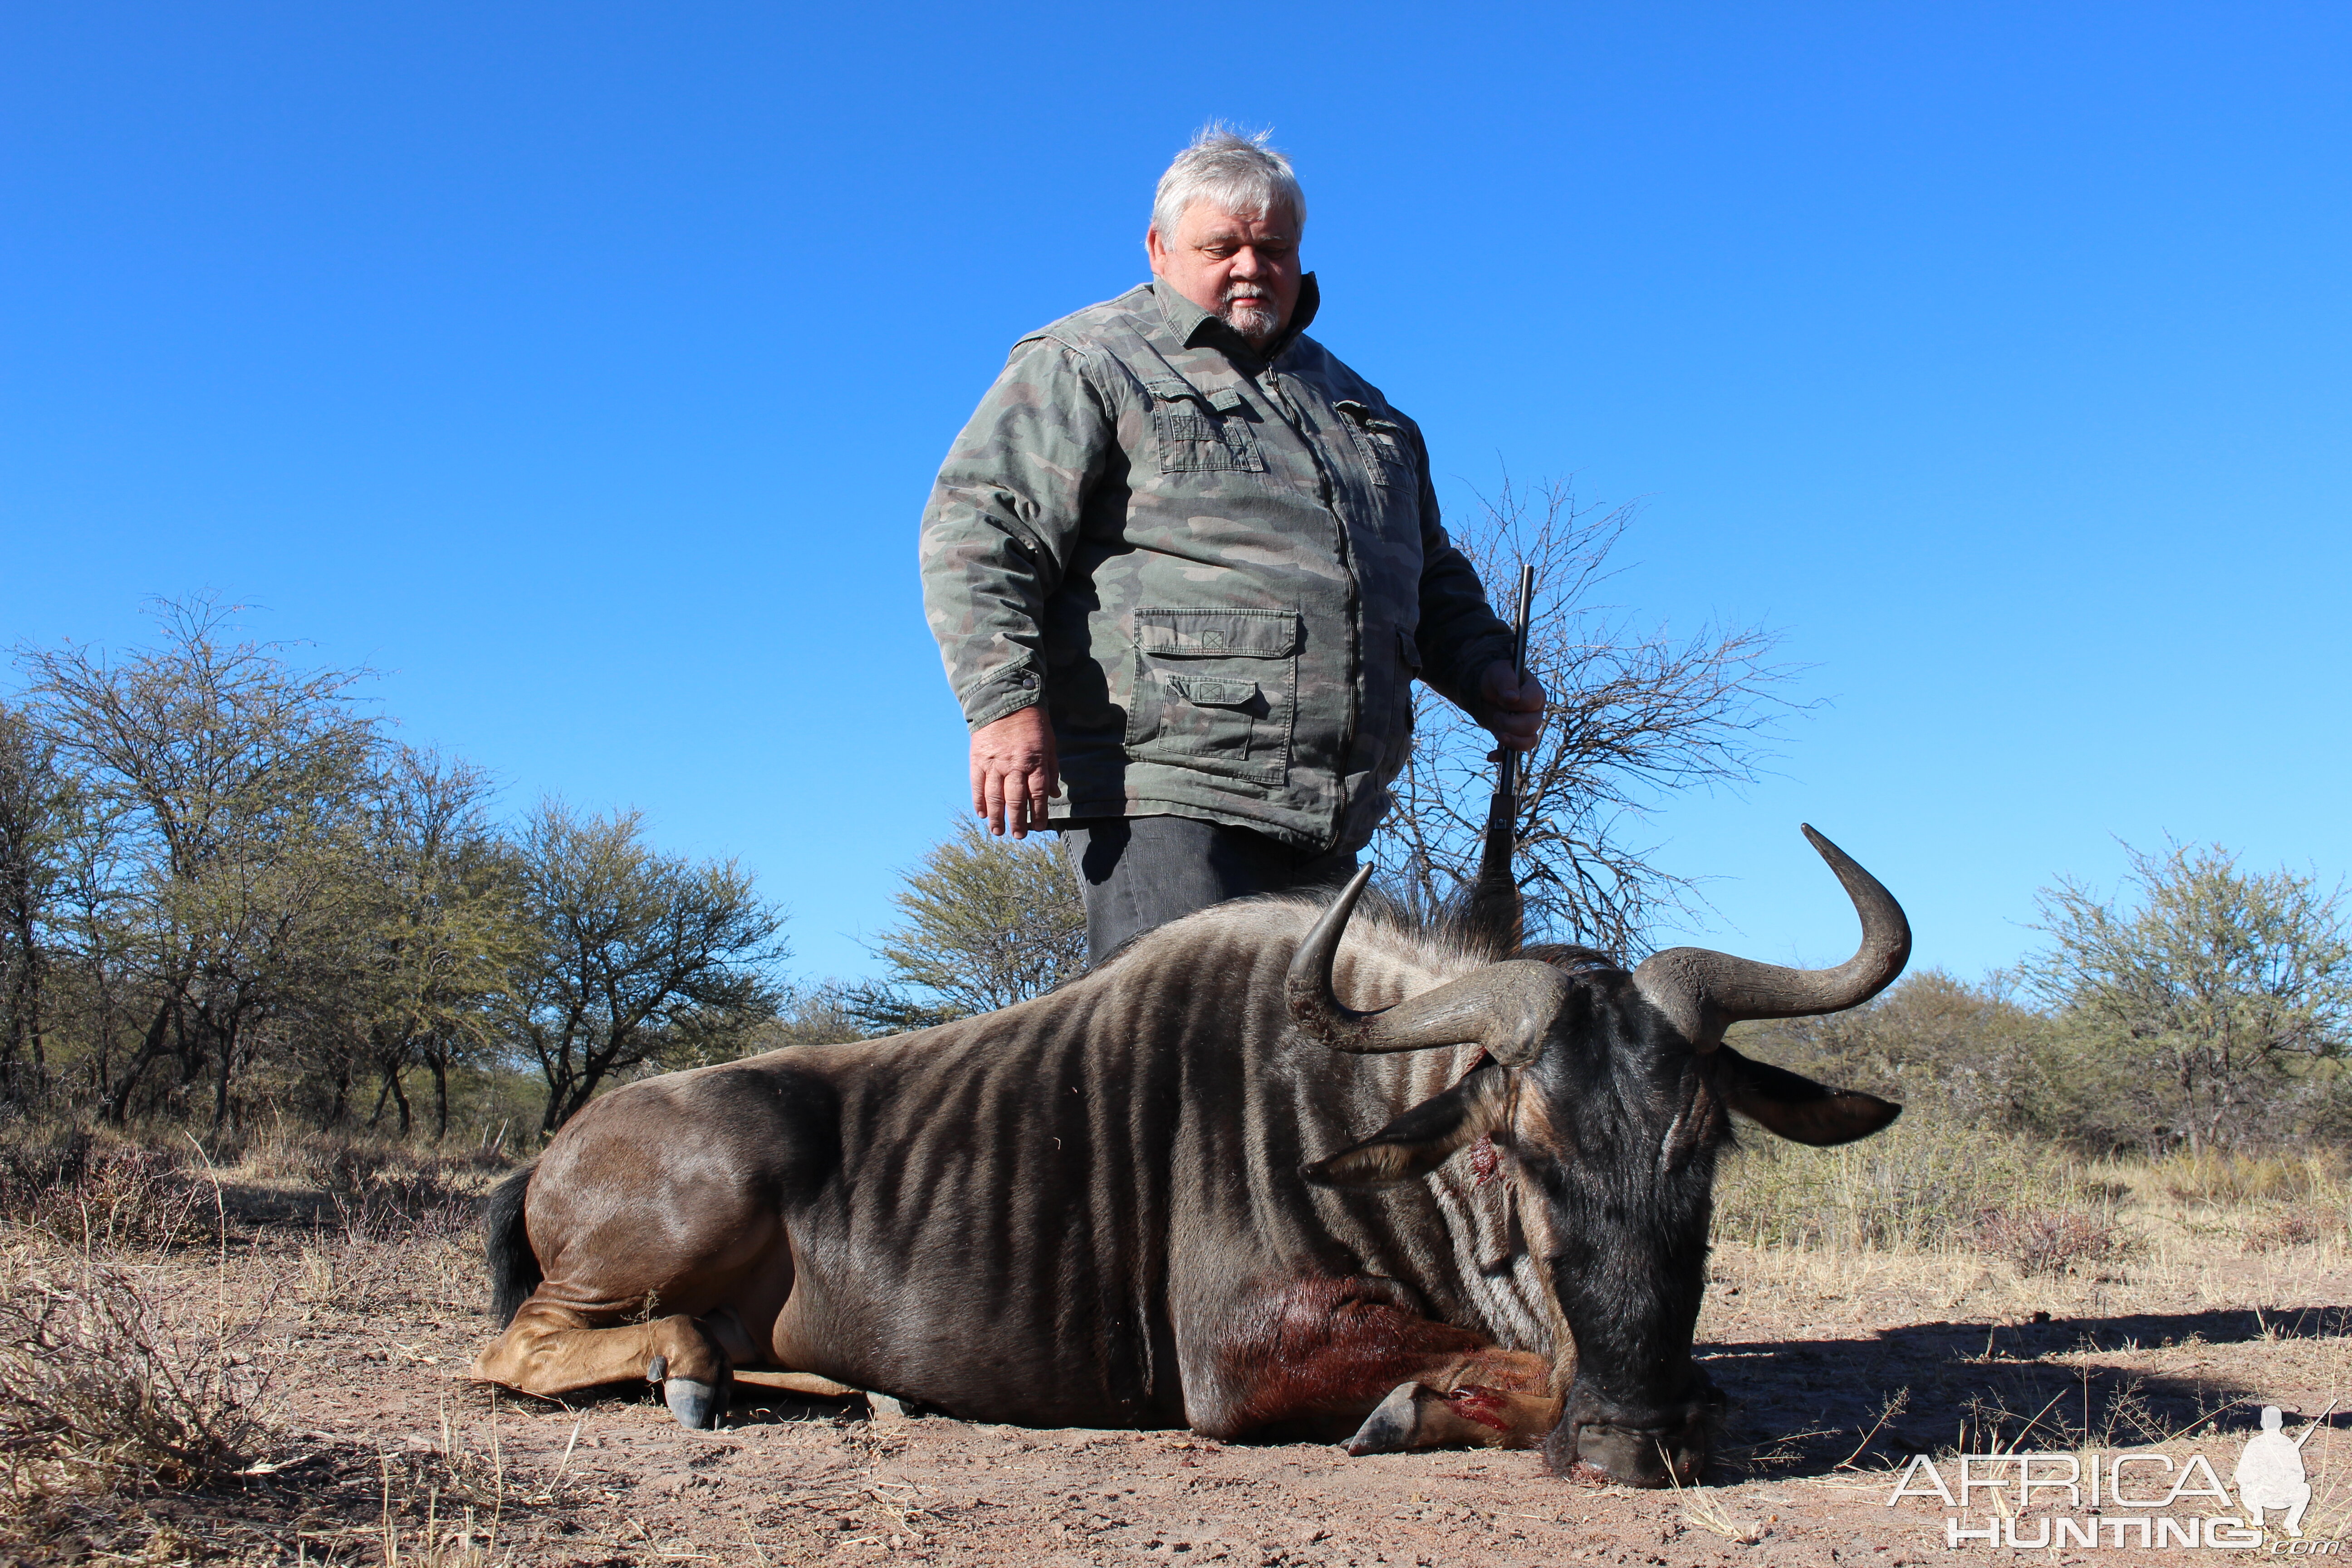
{"x": 1382, "y": 441}
{"x": 1216, "y": 689}
{"x": 1200, "y": 431}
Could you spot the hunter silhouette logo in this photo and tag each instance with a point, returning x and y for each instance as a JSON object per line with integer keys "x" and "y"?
{"x": 2270, "y": 1472}
{"x": 2111, "y": 1499}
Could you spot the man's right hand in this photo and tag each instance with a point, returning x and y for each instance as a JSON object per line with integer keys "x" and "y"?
{"x": 1014, "y": 770}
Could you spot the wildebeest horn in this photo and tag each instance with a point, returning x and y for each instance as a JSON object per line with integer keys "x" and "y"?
{"x": 1703, "y": 991}
{"x": 1505, "y": 1007}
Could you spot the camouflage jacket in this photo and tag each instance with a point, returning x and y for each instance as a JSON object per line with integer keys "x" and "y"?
{"x": 1219, "y": 571}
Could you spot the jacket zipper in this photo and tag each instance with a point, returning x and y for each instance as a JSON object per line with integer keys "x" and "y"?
{"x": 1326, "y": 492}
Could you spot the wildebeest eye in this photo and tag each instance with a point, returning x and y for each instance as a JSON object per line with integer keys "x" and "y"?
{"x": 1421, "y": 1139}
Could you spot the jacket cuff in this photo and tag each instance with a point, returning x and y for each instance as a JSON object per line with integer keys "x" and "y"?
{"x": 1007, "y": 690}
{"x": 1470, "y": 676}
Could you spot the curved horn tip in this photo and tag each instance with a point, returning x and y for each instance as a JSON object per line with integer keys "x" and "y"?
{"x": 1307, "y": 984}
{"x": 1323, "y": 937}
{"x": 1354, "y": 889}
{"x": 1701, "y": 990}
{"x": 1896, "y": 952}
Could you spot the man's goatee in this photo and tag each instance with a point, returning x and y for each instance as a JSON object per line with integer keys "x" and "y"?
{"x": 1253, "y": 316}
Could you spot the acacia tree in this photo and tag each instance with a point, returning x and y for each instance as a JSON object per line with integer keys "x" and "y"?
{"x": 1633, "y": 715}
{"x": 989, "y": 922}
{"x": 37, "y": 806}
{"x": 636, "y": 958}
{"x": 443, "y": 926}
{"x": 227, "y": 783}
{"x": 2220, "y": 989}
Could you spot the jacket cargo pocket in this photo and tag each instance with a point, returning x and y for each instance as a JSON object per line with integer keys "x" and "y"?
{"x": 1200, "y": 431}
{"x": 1382, "y": 441}
{"x": 1216, "y": 689}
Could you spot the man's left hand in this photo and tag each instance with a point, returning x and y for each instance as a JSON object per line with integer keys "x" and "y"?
{"x": 1515, "y": 705}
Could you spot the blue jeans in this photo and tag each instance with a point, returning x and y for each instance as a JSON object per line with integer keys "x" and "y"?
{"x": 1137, "y": 873}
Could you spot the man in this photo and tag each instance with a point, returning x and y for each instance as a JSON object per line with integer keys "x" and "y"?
{"x": 1184, "y": 565}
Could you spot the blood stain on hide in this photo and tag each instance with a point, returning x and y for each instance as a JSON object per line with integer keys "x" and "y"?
{"x": 1476, "y": 1401}
{"x": 1326, "y": 1344}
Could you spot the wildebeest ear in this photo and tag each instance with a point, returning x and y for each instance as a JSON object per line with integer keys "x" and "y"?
{"x": 1418, "y": 1141}
{"x": 1797, "y": 1107}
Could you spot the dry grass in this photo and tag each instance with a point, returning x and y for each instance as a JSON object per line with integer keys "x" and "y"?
{"x": 139, "y": 1284}
{"x": 111, "y": 1380}
{"x": 1916, "y": 1187}
{"x": 124, "y": 1394}
{"x": 448, "y": 1508}
{"x": 2298, "y": 1226}
{"x": 98, "y": 1190}
{"x": 2239, "y": 1178}
{"x": 1702, "y": 1511}
{"x": 347, "y": 1160}
{"x": 100, "y": 1387}
{"x": 2036, "y": 1240}
{"x": 2107, "y": 1304}
{"x": 1922, "y": 1188}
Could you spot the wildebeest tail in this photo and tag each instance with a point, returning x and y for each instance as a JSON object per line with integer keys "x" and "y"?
{"x": 514, "y": 1267}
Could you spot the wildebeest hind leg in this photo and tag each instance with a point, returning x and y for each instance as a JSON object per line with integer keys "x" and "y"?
{"x": 549, "y": 1349}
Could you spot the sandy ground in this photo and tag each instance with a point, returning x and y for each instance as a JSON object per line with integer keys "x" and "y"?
{"x": 1838, "y": 1368}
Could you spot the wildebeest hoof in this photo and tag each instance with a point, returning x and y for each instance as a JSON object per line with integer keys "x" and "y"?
{"x": 1389, "y": 1429}
{"x": 698, "y": 1406}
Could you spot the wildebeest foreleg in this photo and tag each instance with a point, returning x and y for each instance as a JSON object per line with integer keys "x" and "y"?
{"x": 1467, "y": 1414}
{"x": 1338, "y": 1356}
{"x": 549, "y": 1349}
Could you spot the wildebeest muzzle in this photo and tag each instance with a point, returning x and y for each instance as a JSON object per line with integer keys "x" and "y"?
{"x": 1603, "y": 1442}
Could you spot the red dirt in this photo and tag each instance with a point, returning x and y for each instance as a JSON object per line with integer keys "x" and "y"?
{"x": 1838, "y": 1370}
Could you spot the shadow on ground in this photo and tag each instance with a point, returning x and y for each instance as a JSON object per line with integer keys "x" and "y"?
{"x": 1802, "y": 1407}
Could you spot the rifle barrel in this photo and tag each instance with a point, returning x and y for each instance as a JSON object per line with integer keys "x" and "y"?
{"x": 1527, "y": 605}
{"x": 1506, "y": 770}
{"x": 2313, "y": 1425}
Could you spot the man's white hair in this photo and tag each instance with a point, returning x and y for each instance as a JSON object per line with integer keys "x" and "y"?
{"x": 1237, "y": 173}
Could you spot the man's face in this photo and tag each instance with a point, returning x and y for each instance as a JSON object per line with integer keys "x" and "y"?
{"x": 1243, "y": 268}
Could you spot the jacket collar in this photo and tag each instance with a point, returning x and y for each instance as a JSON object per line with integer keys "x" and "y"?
{"x": 1196, "y": 328}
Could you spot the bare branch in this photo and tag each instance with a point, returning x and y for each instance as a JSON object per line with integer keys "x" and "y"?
{"x": 1634, "y": 715}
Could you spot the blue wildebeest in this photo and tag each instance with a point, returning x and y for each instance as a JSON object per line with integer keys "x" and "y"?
{"x": 1147, "y": 1199}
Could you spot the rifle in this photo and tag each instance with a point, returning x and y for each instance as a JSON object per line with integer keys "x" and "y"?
{"x": 2313, "y": 1425}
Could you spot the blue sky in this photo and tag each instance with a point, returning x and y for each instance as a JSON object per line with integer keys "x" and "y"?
{"x": 583, "y": 369}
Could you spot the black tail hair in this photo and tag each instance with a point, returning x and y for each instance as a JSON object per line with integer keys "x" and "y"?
{"x": 1492, "y": 914}
{"x": 514, "y": 1267}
